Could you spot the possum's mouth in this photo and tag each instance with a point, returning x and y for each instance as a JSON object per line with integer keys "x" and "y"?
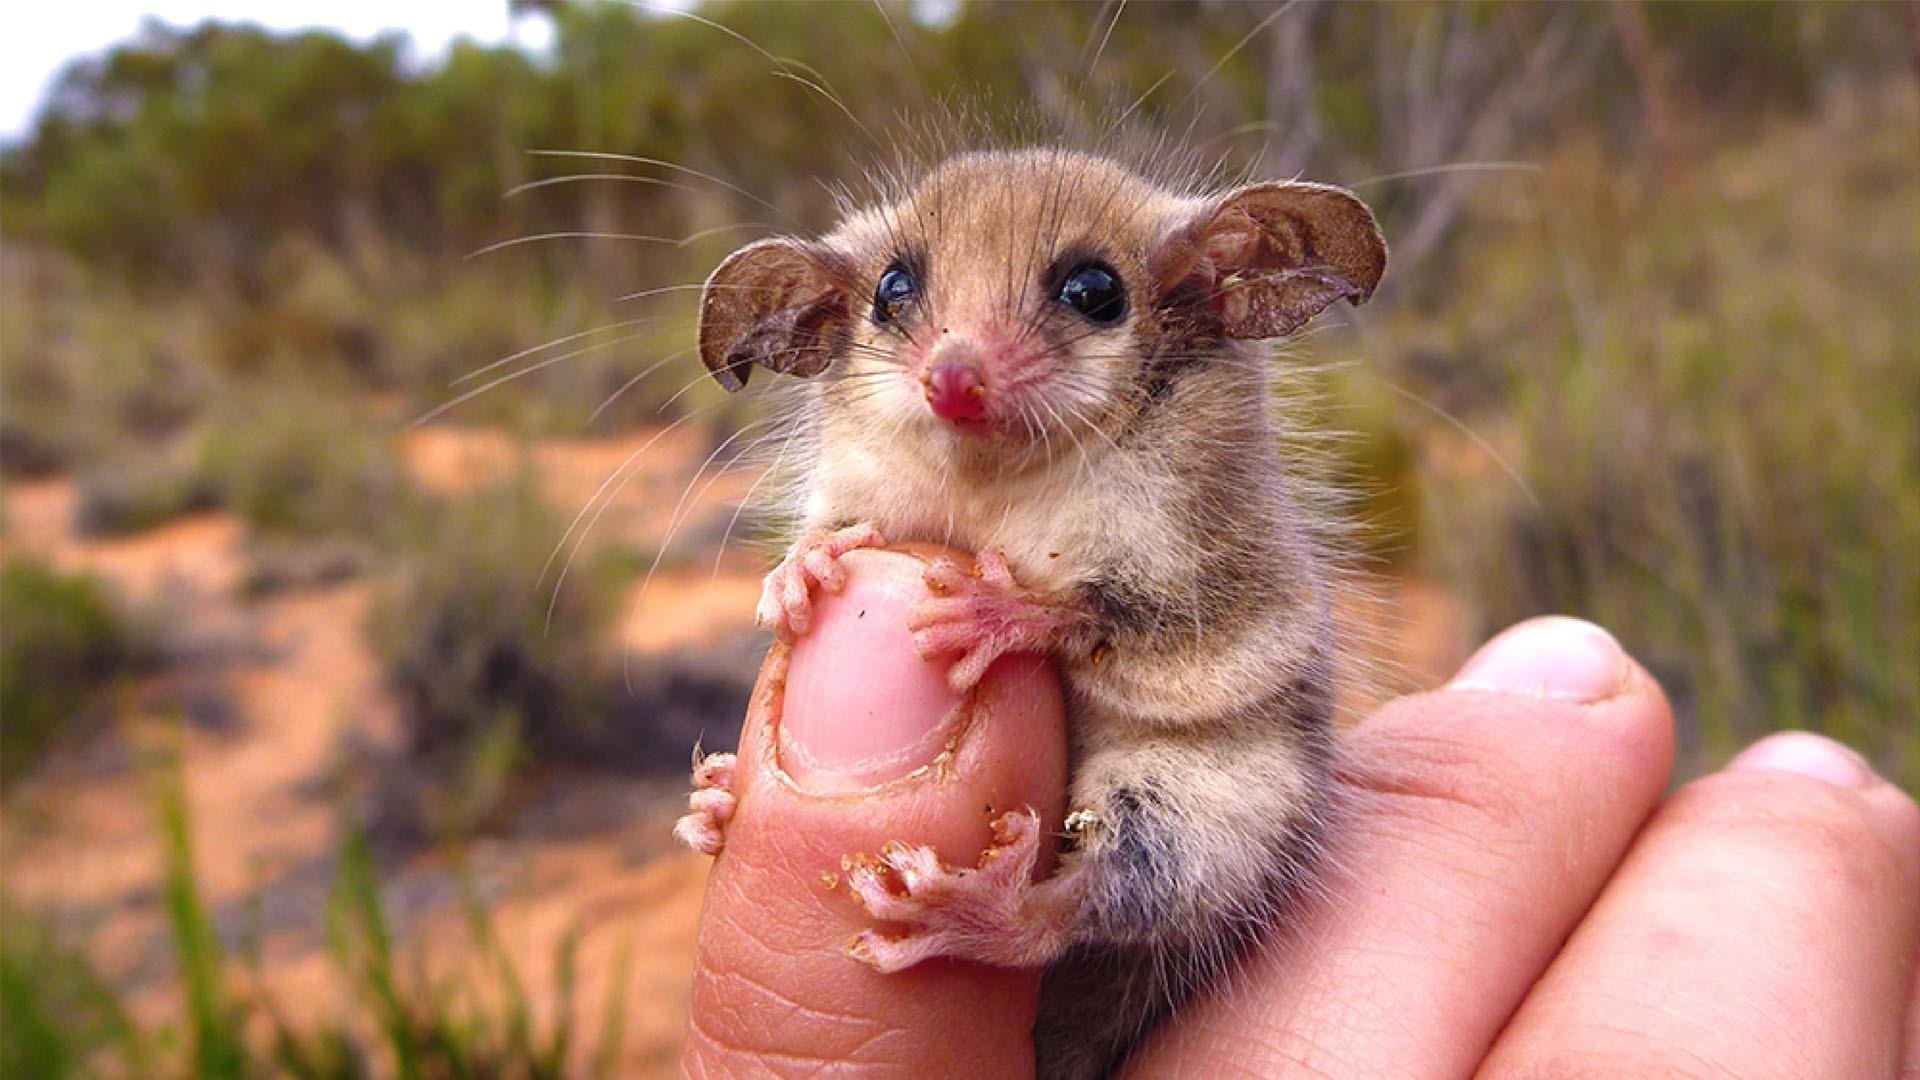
{"x": 978, "y": 429}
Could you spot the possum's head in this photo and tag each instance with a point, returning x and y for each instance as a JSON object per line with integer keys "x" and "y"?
{"x": 1012, "y": 295}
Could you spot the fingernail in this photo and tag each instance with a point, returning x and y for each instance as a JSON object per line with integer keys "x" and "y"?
{"x": 1554, "y": 657}
{"x": 1808, "y": 755}
{"x": 861, "y": 708}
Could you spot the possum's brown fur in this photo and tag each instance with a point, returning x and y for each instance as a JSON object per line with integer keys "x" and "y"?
{"x": 1139, "y": 480}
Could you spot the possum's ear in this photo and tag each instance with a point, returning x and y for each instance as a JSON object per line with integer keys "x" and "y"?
{"x": 778, "y": 303}
{"x": 1259, "y": 262}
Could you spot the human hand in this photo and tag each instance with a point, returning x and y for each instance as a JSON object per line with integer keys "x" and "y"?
{"x": 1509, "y": 893}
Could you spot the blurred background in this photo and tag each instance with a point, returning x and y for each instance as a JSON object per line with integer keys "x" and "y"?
{"x": 372, "y": 557}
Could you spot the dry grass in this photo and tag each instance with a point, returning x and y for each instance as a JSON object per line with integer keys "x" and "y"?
{"x": 1708, "y": 388}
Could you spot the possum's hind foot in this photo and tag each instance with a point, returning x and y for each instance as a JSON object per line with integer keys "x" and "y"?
{"x": 786, "y": 595}
{"x": 993, "y": 913}
{"x": 981, "y": 615}
{"x": 710, "y": 806}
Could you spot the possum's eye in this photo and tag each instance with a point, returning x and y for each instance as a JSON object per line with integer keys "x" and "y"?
{"x": 1094, "y": 290}
{"x": 896, "y": 287}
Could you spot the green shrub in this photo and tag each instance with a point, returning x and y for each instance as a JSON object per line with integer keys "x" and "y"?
{"x": 1713, "y": 410}
{"x": 135, "y": 495}
{"x": 88, "y": 370}
{"x": 297, "y": 460}
{"x": 58, "y": 1017}
{"x": 475, "y": 642}
{"x": 63, "y": 644}
{"x": 481, "y": 347}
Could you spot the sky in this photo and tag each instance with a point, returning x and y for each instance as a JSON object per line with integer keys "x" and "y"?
{"x": 36, "y": 47}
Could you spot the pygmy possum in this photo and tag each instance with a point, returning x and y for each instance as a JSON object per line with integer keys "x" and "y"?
{"x": 1057, "y": 361}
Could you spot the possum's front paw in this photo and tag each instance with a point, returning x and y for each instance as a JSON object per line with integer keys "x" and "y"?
{"x": 786, "y": 596}
{"x": 994, "y": 913}
{"x": 709, "y": 807}
{"x": 982, "y": 615}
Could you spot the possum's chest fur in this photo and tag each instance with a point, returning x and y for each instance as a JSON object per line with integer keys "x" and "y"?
{"x": 1189, "y": 548}
{"x": 1048, "y": 522}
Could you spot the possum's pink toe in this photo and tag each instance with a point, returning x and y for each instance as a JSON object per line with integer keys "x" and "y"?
{"x": 993, "y": 912}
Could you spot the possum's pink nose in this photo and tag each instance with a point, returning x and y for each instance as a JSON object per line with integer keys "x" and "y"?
{"x": 956, "y": 392}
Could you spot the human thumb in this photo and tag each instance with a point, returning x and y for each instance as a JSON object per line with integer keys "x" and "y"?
{"x": 852, "y": 742}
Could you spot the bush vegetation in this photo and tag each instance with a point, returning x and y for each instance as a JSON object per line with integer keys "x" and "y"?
{"x": 59, "y": 1018}
{"x": 1721, "y": 441}
{"x": 64, "y": 644}
{"x": 488, "y": 658}
{"x": 135, "y": 494}
{"x": 470, "y": 634}
{"x": 1644, "y": 356}
{"x": 297, "y": 462}
{"x": 497, "y": 638}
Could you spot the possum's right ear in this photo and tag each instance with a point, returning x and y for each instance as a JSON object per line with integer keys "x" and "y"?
{"x": 778, "y": 303}
{"x": 1261, "y": 261}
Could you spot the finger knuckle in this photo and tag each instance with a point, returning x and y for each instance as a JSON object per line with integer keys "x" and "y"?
{"x": 1825, "y": 829}
{"x": 1443, "y": 762}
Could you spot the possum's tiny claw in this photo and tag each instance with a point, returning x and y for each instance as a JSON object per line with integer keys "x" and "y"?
{"x": 1082, "y": 824}
{"x": 715, "y": 771}
{"x": 710, "y": 806}
{"x": 943, "y": 575}
{"x": 993, "y": 569}
{"x": 786, "y": 601}
{"x": 992, "y": 912}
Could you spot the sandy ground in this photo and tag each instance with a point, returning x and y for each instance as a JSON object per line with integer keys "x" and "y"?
{"x": 295, "y": 689}
{"x": 299, "y": 690}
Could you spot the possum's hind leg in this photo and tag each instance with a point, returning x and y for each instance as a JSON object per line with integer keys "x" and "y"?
{"x": 994, "y": 912}
{"x": 1202, "y": 844}
{"x": 786, "y": 596}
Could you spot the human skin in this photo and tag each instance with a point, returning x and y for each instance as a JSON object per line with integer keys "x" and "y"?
{"x": 1514, "y": 891}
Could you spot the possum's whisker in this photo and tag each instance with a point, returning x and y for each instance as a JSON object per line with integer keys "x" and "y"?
{"x": 432, "y": 414}
{"x": 477, "y": 372}
{"x": 631, "y": 383}
{"x": 680, "y": 508}
{"x": 684, "y": 286}
{"x": 783, "y": 66}
{"x": 1457, "y": 167}
{"x": 673, "y": 527}
{"x": 1066, "y": 430}
{"x": 691, "y": 383}
{"x": 881, "y": 7}
{"x": 589, "y": 178}
{"x": 572, "y": 234}
{"x": 1031, "y": 426}
{"x": 1086, "y": 71}
{"x": 832, "y": 97}
{"x": 661, "y": 163}
{"x": 604, "y": 495}
{"x": 1241, "y": 129}
{"x": 1461, "y": 426}
{"x": 746, "y": 499}
{"x": 697, "y": 236}
{"x": 1097, "y": 430}
{"x": 1139, "y": 101}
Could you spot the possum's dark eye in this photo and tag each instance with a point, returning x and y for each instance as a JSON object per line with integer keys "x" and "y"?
{"x": 896, "y": 287}
{"x": 1094, "y": 290}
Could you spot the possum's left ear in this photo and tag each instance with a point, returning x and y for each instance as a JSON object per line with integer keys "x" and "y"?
{"x": 1259, "y": 262}
{"x": 779, "y": 303}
